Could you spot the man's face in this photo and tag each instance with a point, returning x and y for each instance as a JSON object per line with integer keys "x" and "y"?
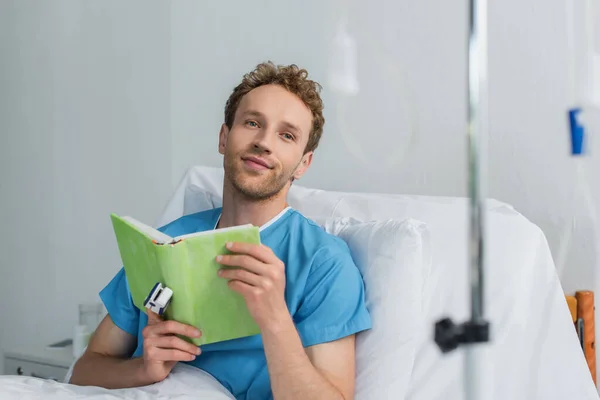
{"x": 264, "y": 149}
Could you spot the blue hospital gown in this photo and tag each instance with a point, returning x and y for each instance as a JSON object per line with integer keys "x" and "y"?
{"x": 324, "y": 293}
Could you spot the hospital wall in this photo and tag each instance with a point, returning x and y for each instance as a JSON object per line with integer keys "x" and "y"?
{"x": 103, "y": 105}
{"x": 84, "y": 118}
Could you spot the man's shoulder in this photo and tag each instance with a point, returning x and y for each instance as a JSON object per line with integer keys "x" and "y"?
{"x": 324, "y": 245}
{"x": 191, "y": 223}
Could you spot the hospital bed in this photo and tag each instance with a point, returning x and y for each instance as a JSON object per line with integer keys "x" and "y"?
{"x": 412, "y": 252}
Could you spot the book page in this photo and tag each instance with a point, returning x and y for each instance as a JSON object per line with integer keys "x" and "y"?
{"x": 213, "y": 231}
{"x": 149, "y": 231}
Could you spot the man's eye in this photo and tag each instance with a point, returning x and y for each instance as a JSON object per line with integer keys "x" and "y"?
{"x": 288, "y": 136}
{"x": 252, "y": 124}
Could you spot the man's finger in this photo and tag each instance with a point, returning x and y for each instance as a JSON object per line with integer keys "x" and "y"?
{"x": 174, "y": 343}
{"x": 243, "y": 261}
{"x": 158, "y": 354}
{"x": 241, "y": 275}
{"x": 258, "y": 251}
{"x": 153, "y": 318}
{"x": 241, "y": 287}
{"x": 175, "y": 328}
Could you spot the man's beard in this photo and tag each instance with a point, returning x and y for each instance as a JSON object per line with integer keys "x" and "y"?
{"x": 267, "y": 186}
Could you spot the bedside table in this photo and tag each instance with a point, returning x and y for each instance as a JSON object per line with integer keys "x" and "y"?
{"x": 39, "y": 362}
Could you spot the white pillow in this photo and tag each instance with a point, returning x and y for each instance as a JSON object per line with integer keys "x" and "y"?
{"x": 198, "y": 199}
{"x": 394, "y": 259}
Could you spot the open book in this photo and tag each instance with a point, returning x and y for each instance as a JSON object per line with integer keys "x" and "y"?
{"x": 186, "y": 264}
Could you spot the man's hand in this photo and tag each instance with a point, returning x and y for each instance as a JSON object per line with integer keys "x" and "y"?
{"x": 259, "y": 278}
{"x": 163, "y": 349}
{"x": 320, "y": 372}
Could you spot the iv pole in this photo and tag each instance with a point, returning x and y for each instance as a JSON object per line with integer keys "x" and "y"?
{"x": 474, "y": 333}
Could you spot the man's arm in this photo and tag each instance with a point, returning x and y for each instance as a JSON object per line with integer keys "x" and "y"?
{"x": 323, "y": 371}
{"x": 106, "y": 360}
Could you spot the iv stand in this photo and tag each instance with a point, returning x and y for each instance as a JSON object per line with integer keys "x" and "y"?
{"x": 474, "y": 333}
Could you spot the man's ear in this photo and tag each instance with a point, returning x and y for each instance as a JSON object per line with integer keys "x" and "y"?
{"x": 304, "y": 164}
{"x": 223, "y": 138}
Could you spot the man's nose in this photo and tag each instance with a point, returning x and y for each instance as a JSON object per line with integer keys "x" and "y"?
{"x": 264, "y": 140}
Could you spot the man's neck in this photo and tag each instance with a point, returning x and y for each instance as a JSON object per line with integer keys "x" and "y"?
{"x": 238, "y": 210}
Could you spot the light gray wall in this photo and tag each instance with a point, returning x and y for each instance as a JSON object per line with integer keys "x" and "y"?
{"x": 145, "y": 82}
{"x": 84, "y": 119}
{"x": 402, "y": 47}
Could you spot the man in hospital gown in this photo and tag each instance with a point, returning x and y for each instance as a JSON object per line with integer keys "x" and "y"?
{"x": 300, "y": 285}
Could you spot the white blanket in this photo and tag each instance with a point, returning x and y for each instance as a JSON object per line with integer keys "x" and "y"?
{"x": 183, "y": 383}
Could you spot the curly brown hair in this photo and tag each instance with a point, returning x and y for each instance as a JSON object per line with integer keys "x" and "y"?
{"x": 293, "y": 79}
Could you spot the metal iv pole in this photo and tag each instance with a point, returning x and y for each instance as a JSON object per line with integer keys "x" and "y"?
{"x": 474, "y": 333}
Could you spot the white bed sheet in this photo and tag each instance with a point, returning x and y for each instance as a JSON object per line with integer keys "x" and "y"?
{"x": 183, "y": 383}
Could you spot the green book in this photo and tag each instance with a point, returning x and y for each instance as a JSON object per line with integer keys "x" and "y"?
{"x": 186, "y": 264}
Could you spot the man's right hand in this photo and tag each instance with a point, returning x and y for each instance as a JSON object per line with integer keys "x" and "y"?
{"x": 163, "y": 348}
{"x": 107, "y": 360}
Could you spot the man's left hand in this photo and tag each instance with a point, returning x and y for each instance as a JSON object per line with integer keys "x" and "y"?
{"x": 259, "y": 278}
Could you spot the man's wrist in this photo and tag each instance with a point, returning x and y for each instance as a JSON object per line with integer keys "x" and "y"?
{"x": 277, "y": 324}
{"x": 141, "y": 372}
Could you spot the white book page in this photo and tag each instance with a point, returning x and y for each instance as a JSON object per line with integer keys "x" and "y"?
{"x": 149, "y": 231}
{"x": 231, "y": 228}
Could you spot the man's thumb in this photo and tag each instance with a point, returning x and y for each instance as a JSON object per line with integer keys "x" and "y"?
{"x": 153, "y": 317}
